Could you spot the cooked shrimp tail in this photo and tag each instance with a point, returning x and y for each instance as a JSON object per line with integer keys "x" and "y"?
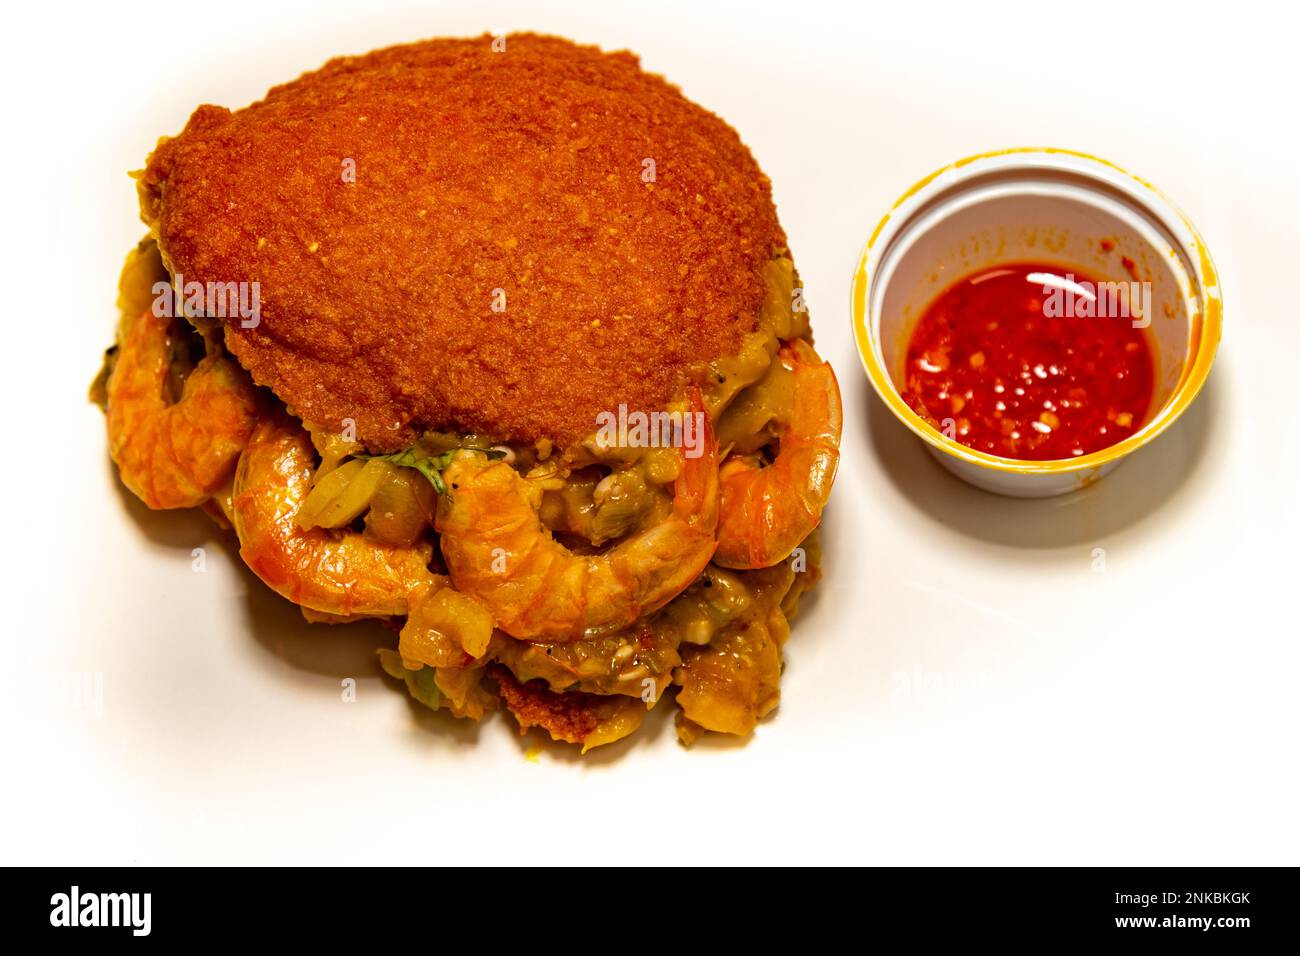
{"x": 497, "y": 549}
{"x": 174, "y": 454}
{"x": 767, "y": 510}
{"x": 340, "y": 572}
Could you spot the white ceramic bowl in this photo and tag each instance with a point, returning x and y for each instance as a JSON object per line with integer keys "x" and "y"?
{"x": 1042, "y": 205}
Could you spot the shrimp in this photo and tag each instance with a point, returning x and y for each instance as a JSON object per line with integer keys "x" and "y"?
{"x": 343, "y": 573}
{"x": 768, "y": 510}
{"x": 174, "y": 454}
{"x": 497, "y": 549}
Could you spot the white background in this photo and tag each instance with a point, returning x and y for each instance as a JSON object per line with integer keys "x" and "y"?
{"x": 964, "y": 688}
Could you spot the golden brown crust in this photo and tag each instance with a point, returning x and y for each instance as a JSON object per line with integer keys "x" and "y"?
{"x": 475, "y": 171}
{"x": 572, "y": 716}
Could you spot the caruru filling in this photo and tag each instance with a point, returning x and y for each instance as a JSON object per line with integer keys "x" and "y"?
{"x": 719, "y": 642}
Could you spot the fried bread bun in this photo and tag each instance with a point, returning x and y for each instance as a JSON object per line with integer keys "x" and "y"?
{"x": 454, "y": 236}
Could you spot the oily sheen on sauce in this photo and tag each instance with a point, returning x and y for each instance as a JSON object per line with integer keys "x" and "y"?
{"x": 992, "y": 368}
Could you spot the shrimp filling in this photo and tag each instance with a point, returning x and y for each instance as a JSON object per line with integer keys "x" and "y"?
{"x": 575, "y": 586}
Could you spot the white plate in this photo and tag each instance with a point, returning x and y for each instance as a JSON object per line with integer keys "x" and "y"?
{"x": 966, "y": 686}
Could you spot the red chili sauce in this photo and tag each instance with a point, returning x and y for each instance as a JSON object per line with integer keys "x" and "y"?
{"x": 994, "y": 369}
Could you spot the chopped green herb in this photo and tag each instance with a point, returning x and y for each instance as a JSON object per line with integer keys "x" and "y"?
{"x": 431, "y": 466}
{"x": 423, "y": 688}
{"x": 420, "y": 683}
